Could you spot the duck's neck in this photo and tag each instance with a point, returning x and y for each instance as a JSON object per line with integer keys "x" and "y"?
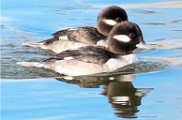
{"x": 117, "y": 49}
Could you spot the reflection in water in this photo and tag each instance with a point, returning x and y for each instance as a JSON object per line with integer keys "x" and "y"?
{"x": 121, "y": 93}
{"x": 124, "y": 98}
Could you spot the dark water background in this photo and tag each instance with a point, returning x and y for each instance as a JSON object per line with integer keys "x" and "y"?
{"x": 150, "y": 89}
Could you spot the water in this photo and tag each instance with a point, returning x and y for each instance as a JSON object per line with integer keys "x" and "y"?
{"x": 150, "y": 89}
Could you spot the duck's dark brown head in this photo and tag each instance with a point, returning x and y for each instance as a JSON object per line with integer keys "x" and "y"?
{"x": 109, "y": 17}
{"x": 124, "y": 38}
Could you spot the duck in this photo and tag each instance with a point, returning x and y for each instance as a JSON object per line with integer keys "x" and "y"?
{"x": 123, "y": 39}
{"x": 73, "y": 38}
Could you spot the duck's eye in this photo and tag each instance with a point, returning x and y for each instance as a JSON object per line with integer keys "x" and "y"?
{"x": 132, "y": 35}
{"x": 118, "y": 19}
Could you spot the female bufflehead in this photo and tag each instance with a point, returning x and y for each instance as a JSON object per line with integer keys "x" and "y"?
{"x": 73, "y": 38}
{"x": 122, "y": 40}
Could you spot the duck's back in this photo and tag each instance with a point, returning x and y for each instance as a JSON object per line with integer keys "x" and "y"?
{"x": 88, "y": 35}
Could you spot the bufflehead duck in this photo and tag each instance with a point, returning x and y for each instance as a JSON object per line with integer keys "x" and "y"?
{"x": 73, "y": 38}
{"x": 122, "y": 40}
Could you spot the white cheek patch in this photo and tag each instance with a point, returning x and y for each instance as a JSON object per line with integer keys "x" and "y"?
{"x": 110, "y": 22}
{"x": 122, "y": 38}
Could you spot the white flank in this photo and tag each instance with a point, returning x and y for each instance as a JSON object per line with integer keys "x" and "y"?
{"x": 68, "y": 58}
{"x": 68, "y": 78}
{"x": 111, "y": 78}
{"x": 59, "y": 61}
{"x": 110, "y": 22}
{"x": 113, "y": 64}
{"x": 101, "y": 43}
{"x": 65, "y": 58}
{"x": 122, "y": 38}
{"x": 65, "y": 37}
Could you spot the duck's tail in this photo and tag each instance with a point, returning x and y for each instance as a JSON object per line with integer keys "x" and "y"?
{"x": 31, "y": 64}
{"x": 35, "y": 45}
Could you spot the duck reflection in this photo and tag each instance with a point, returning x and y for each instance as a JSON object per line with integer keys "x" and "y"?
{"x": 121, "y": 93}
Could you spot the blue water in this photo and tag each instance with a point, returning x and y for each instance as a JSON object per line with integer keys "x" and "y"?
{"x": 141, "y": 91}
